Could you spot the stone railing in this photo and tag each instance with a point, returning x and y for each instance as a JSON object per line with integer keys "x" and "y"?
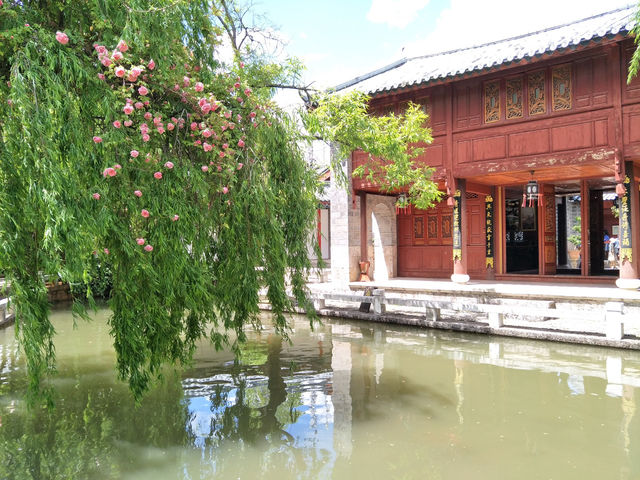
{"x": 612, "y": 313}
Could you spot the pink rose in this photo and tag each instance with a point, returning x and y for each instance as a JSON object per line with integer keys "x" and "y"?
{"x": 146, "y": 137}
{"x": 239, "y": 99}
{"x": 186, "y": 81}
{"x": 241, "y": 143}
{"x": 139, "y": 105}
{"x": 206, "y": 133}
{"x": 117, "y": 166}
{"x": 225, "y": 190}
{"x": 143, "y": 90}
{"x": 199, "y": 86}
{"x": 225, "y": 145}
{"x": 106, "y": 61}
{"x": 111, "y": 172}
{"x": 151, "y": 65}
{"x": 128, "y": 109}
{"x": 252, "y": 114}
{"x": 160, "y": 130}
{"x": 106, "y": 251}
{"x": 122, "y": 46}
{"x": 135, "y": 153}
{"x": 204, "y": 168}
{"x": 96, "y": 196}
{"x": 144, "y": 213}
{"x": 214, "y": 106}
{"x": 206, "y": 147}
{"x": 140, "y": 241}
{"x": 137, "y": 193}
{"x": 236, "y": 85}
{"x": 62, "y": 38}
{"x": 157, "y": 175}
{"x": 169, "y": 165}
{"x": 117, "y": 124}
{"x": 148, "y": 116}
{"x": 101, "y": 76}
{"x": 175, "y": 218}
{"x": 247, "y": 91}
{"x": 157, "y": 120}
{"x": 240, "y": 165}
{"x": 221, "y": 154}
{"x": 97, "y": 139}
{"x": 119, "y": 71}
{"x": 101, "y": 49}
{"x": 227, "y": 114}
{"x": 194, "y": 126}
{"x": 148, "y": 248}
{"x": 128, "y": 123}
{"x": 170, "y": 126}
{"x": 117, "y": 56}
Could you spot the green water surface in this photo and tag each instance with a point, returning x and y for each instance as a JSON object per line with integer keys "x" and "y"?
{"x": 346, "y": 400}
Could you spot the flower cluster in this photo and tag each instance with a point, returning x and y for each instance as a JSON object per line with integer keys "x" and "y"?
{"x": 167, "y": 110}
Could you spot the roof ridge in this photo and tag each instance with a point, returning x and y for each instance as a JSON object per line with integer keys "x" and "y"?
{"x": 405, "y": 60}
{"x": 517, "y": 37}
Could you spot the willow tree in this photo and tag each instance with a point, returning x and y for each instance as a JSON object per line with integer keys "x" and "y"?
{"x": 122, "y": 138}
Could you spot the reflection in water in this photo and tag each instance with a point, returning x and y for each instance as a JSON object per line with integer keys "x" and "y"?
{"x": 347, "y": 400}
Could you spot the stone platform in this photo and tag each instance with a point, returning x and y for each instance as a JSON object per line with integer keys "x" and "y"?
{"x": 556, "y": 312}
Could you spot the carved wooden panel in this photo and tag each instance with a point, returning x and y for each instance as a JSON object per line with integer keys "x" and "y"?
{"x": 514, "y": 108}
{"x": 492, "y": 101}
{"x": 561, "y": 88}
{"x": 537, "y": 104}
{"x": 432, "y": 226}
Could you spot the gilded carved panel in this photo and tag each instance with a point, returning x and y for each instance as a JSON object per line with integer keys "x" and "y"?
{"x": 561, "y": 87}
{"x": 492, "y": 101}
{"x": 514, "y": 98}
{"x": 537, "y": 103}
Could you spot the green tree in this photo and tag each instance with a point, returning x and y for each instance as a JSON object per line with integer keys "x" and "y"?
{"x": 123, "y": 136}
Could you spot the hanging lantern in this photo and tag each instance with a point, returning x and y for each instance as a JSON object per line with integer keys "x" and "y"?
{"x": 402, "y": 205}
{"x": 532, "y": 193}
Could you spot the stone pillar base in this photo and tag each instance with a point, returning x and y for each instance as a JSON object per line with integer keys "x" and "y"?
{"x": 628, "y": 283}
{"x": 460, "y": 278}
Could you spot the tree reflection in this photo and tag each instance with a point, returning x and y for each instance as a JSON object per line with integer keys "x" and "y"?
{"x": 92, "y": 433}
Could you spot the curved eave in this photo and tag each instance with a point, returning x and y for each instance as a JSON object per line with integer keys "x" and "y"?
{"x": 527, "y": 60}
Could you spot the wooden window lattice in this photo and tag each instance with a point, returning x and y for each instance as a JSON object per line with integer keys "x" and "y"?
{"x": 561, "y": 87}
{"x": 514, "y": 98}
{"x": 492, "y": 101}
{"x": 537, "y": 103}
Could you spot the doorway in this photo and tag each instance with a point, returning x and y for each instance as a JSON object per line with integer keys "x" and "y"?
{"x": 521, "y": 233}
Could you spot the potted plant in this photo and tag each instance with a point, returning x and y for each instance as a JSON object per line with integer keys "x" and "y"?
{"x": 576, "y": 240}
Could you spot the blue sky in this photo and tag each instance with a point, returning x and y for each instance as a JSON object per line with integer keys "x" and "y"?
{"x": 339, "y": 40}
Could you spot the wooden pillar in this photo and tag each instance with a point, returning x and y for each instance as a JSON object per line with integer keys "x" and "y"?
{"x": 364, "y": 256}
{"x": 629, "y": 224}
{"x": 460, "y": 235}
{"x": 584, "y": 227}
{"x": 547, "y": 230}
{"x": 489, "y": 233}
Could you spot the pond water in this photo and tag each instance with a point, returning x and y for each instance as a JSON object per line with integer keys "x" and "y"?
{"x": 346, "y": 400}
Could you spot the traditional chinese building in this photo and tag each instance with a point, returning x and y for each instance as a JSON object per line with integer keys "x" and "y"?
{"x": 536, "y": 146}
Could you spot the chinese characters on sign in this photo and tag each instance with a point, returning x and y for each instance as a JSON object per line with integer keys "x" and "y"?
{"x": 457, "y": 228}
{"x": 625, "y": 222}
{"x": 488, "y": 213}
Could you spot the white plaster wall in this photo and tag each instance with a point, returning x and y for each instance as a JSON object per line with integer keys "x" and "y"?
{"x": 345, "y": 232}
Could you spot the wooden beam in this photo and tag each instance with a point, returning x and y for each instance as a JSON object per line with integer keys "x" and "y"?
{"x": 479, "y": 188}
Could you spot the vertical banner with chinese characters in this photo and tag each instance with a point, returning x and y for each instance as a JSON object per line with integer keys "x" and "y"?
{"x": 457, "y": 227}
{"x": 488, "y": 215}
{"x": 625, "y": 219}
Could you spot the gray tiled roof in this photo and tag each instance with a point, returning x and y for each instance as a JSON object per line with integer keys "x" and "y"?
{"x": 424, "y": 69}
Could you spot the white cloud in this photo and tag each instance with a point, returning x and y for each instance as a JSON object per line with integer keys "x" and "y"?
{"x": 395, "y": 13}
{"x": 473, "y": 22}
